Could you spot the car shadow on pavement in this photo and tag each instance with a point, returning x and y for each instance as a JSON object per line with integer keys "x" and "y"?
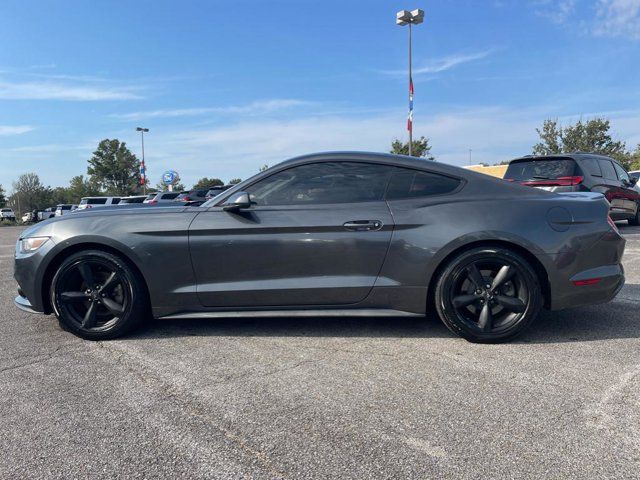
{"x": 614, "y": 320}
{"x": 618, "y": 319}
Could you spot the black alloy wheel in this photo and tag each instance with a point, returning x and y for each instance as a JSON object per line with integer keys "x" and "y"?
{"x": 488, "y": 295}
{"x": 96, "y": 295}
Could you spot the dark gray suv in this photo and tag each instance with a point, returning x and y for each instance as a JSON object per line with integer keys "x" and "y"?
{"x": 581, "y": 172}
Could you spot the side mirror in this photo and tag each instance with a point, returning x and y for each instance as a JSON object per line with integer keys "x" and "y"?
{"x": 239, "y": 201}
{"x": 633, "y": 180}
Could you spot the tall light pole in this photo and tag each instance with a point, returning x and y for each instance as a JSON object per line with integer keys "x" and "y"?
{"x": 143, "y": 169}
{"x": 413, "y": 17}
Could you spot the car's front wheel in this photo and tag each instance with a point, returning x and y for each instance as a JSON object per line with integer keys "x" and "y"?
{"x": 488, "y": 294}
{"x": 97, "y": 296}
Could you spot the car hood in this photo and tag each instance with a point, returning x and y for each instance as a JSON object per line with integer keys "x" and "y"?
{"x": 46, "y": 227}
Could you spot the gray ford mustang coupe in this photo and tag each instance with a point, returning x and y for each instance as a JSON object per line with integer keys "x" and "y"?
{"x": 330, "y": 234}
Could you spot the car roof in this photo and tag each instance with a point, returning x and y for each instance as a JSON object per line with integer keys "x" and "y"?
{"x": 573, "y": 155}
{"x": 375, "y": 157}
{"x": 477, "y": 183}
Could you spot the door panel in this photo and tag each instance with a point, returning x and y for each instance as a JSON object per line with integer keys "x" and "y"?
{"x": 289, "y": 255}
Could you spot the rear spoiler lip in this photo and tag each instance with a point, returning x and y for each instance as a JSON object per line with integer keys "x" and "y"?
{"x": 592, "y": 196}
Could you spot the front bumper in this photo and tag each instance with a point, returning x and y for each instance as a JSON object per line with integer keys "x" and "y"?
{"x": 23, "y": 304}
{"x": 29, "y": 270}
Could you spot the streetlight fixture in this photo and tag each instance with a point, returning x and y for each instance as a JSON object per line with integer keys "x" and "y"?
{"x": 413, "y": 17}
{"x": 143, "y": 169}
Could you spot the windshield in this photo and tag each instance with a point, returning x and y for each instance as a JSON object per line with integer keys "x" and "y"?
{"x": 540, "y": 169}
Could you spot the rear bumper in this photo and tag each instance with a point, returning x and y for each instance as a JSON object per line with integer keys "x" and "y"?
{"x": 601, "y": 263}
{"x": 610, "y": 283}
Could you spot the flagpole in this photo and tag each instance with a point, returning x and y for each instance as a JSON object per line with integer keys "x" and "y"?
{"x": 143, "y": 167}
{"x": 410, "y": 123}
{"x": 415, "y": 17}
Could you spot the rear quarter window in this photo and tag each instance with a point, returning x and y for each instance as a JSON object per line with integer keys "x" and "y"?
{"x": 407, "y": 183}
{"x": 608, "y": 171}
{"x": 591, "y": 167}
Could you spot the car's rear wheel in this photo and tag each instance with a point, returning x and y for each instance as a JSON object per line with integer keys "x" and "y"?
{"x": 97, "y": 296}
{"x": 488, "y": 294}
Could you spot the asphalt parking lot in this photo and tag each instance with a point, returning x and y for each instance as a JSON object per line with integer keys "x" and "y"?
{"x": 322, "y": 398}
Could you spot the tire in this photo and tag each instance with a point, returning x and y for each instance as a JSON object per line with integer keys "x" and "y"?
{"x": 488, "y": 315}
{"x": 97, "y": 296}
{"x": 635, "y": 221}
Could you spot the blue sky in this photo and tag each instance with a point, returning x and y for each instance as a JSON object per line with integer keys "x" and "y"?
{"x": 226, "y": 88}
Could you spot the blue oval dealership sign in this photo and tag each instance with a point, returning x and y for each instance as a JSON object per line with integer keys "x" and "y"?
{"x": 170, "y": 177}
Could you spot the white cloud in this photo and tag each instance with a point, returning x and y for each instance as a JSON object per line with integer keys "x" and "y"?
{"x": 618, "y": 18}
{"x": 444, "y": 64}
{"x": 14, "y": 129}
{"x": 63, "y": 91}
{"x": 238, "y": 150}
{"x": 558, "y": 11}
{"x": 254, "y": 108}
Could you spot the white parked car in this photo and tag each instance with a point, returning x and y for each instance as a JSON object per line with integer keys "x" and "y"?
{"x": 132, "y": 199}
{"x": 64, "y": 208}
{"x": 94, "y": 202}
{"x": 27, "y": 217}
{"x": 47, "y": 213}
{"x": 7, "y": 214}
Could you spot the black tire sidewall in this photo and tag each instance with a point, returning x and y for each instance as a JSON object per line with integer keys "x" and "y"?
{"x": 135, "y": 312}
{"x": 447, "y": 312}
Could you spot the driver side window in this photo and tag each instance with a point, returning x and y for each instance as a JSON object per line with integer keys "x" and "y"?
{"x": 322, "y": 183}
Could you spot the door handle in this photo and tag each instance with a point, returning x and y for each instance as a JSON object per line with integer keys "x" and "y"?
{"x": 363, "y": 225}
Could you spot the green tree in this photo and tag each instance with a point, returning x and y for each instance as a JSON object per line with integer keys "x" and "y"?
{"x": 584, "y": 136}
{"x": 80, "y": 186}
{"x": 235, "y": 181}
{"x": 420, "y": 148}
{"x": 205, "y": 182}
{"x": 634, "y": 159}
{"x": 29, "y": 194}
{"x": 114, "y": 169}
{"x": 3, "y": 198}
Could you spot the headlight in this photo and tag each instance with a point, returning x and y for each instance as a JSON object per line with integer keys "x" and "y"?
{"x": 31, "y": 244}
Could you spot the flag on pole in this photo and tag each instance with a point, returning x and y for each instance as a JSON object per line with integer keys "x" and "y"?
{"x": 410, "y": 117}
{"x": 143, "y": 171}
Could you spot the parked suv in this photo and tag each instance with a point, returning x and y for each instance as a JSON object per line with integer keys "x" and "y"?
{"x": 93, "y": 202}
{"x": 581, "y": 172}
{"x": 7, "y": 214}
{"x": 161, "y": 197}
{"x": 215, "y": 191}
{"x": 199, "y": 195}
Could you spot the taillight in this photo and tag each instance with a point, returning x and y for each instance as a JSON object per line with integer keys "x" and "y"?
{"x": 89, "y": 206}
{"x": 153, "y": 202}
{"x": 584, "y": 283}
{"x": 186, "y": 198}
{"x": 612, "y": 224}
{"x": 556, "y": 182}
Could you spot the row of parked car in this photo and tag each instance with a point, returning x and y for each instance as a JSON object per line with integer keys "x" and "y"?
{"x": 191, "y": 197}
